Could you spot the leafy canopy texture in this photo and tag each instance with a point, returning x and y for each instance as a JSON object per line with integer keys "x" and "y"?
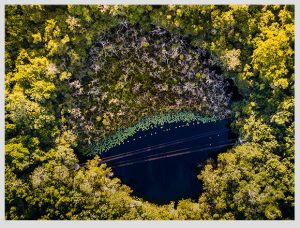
{"x": 75, "y": 74}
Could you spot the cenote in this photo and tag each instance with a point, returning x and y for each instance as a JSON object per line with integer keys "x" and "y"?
{"x": 159, "y": 157}
{"x": 162, "y": 164}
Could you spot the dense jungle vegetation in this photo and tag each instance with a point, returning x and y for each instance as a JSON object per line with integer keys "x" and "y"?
{"x": 74, "y": 74}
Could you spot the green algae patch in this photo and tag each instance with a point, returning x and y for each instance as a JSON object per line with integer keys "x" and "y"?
{"x": 145, "y": 124}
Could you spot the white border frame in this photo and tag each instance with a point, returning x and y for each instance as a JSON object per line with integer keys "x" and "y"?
{"x": 119, "y": 223}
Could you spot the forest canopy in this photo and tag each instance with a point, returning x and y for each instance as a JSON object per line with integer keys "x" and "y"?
{"x": 73, "y": 70}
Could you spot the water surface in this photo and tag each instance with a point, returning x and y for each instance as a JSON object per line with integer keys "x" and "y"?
{"x": 162, "y": 164}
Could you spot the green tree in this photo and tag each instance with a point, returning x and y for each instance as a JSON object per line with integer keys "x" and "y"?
{"x": 248, "y": 183}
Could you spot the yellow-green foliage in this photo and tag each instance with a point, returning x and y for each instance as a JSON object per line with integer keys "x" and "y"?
{"x": 45, "y": 50}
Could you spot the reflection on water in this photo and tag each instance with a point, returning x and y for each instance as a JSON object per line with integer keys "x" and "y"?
{"x": 162, "y": 164}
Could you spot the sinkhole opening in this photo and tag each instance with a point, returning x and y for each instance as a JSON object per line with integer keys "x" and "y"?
{"x": 154, "y": 107}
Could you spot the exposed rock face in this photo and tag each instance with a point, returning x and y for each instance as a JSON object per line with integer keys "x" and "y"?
{"x": 132, "y": 73}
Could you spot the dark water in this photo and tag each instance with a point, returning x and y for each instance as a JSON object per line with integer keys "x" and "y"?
{"x": 162, "y": 164}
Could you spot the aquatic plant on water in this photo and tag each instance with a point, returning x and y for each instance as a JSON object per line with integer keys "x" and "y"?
{"x": 145, "y": 124}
